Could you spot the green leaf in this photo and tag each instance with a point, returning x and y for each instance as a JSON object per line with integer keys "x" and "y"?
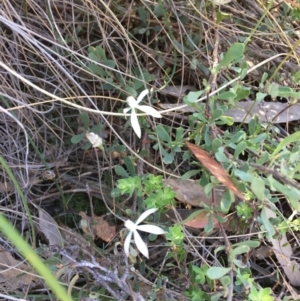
{"x": 249, "y": 243}
{"x": 120, "y": 171}
{"x": 252, "y": 126}
{"x": 292, "y": 193}
{"x": 287, "y": 140}
{"x": 216, "y": 114}
{"x": 162, "y": 133}
{"x": 228, "y": 95}
{"x": 109, "y": 63}
{"x": 97, "y": 70}
{"x": 84, "y": 117}
{"x": 258, "y": 188}
{"x": 169, "y": 158}
{"x": 234, "y": 52}
{"x": 244, "y": 176}
{"x": 217, "y": 272}
{"x": 190, "y": 173}
{"x": 242, "y": 93}
{"x": 273, "y": 90}
{"x": 237, "y": 137}
{"x": 240, "y": 148}
{"x": 192, "y": 97}
{"x": 269, "y": 227}
{"x": 222, "y": 158}
{"x": 97, "y": 128}
{"x": 99, "y": 51}
{"x": 209, "y": 226}
{"x": 227, "y": 200}
{"x": 77, "y": 138}
{"x": 240, "y": 250}
{"x": 258, "y": 139}
{"x": 226, "y": 280}
{"x": 130, "y": 166}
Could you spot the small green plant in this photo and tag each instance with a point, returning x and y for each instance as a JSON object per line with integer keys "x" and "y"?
{"x": 148, "y": 188}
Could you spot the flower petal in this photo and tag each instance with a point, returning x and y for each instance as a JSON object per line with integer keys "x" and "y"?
{"x": 149, "y": 111}
{"x": 142, "y": 95}
{"x": 135, "y": 123}
{"x": 126, "y": 110}
{"x": 130, "y": 225}
{"x": 127, "y": 243}
{"x": 142, "y": 247}
{"x": 94, "y": 139}
{"x": 131, "y": 102}
{"x": 145, "y": 215}
{"x": 151, "y": 229}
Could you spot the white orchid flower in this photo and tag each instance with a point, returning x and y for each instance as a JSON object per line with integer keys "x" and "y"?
{"x": 95, "y": 140}
{"x": 134, "y": 105}
{"x": 133, "y": 229}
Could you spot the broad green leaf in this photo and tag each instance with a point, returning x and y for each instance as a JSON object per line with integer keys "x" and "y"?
{"x": 258, "y": 188}
{"x": 162, "y": 133}
{"x": 288, "y": 92}
{"x": 228, "y": 95}
{"x": 94, "y": 57}
{"x": 100, "y": 52}
{"x": 190, "y": 173}
{"x": 244, "y": 176}
{"x": 169, "y": 158}
{"x": 273, "y": 90}
{"x": 226, "y": 280}
{"x": 84, "y": 117}
{"x": 240, "y": 250}
{"x": 109, "y": 63}
{"x": 292, "y": 193}
{"x": 192, "y": 97}
{"x": 237, "y": 137}
{"x": 77, "y": 138}
{"x": 240, "y": 148}
{"x": 131, "y": 91}
{"x": 242, "y": 93}
{"x": 217, "y": 272}
{"x": 269, "y": 227}
{"x": 97, "y": 70}
{"x": 120, "y": 171}
{"x": 222, "y": 158}
{"x": 130, "y": 166}
{"x": 209, "y": 226}
{"x": 260, "y": 96}
{"x": 216, "y": 114}
{"x": 226, "y": 200}
{"x": 234, "y": 52}
{"x": 97, "y": 128}
{"x": 258, "y": 139}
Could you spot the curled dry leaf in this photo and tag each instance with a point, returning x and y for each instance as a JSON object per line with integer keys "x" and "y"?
{"x": 214, "y": 168}
{"x": 190, "y": 193}
{"x": 97, "y": 227}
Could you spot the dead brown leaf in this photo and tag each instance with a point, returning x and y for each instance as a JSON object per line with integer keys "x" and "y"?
{"x": 15, "y": 274}
{"x": 214, "y": 168}
{"x": 97, "y": 227}
{"x": 103, "y": 229}
{"x": 191, "y": 193}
